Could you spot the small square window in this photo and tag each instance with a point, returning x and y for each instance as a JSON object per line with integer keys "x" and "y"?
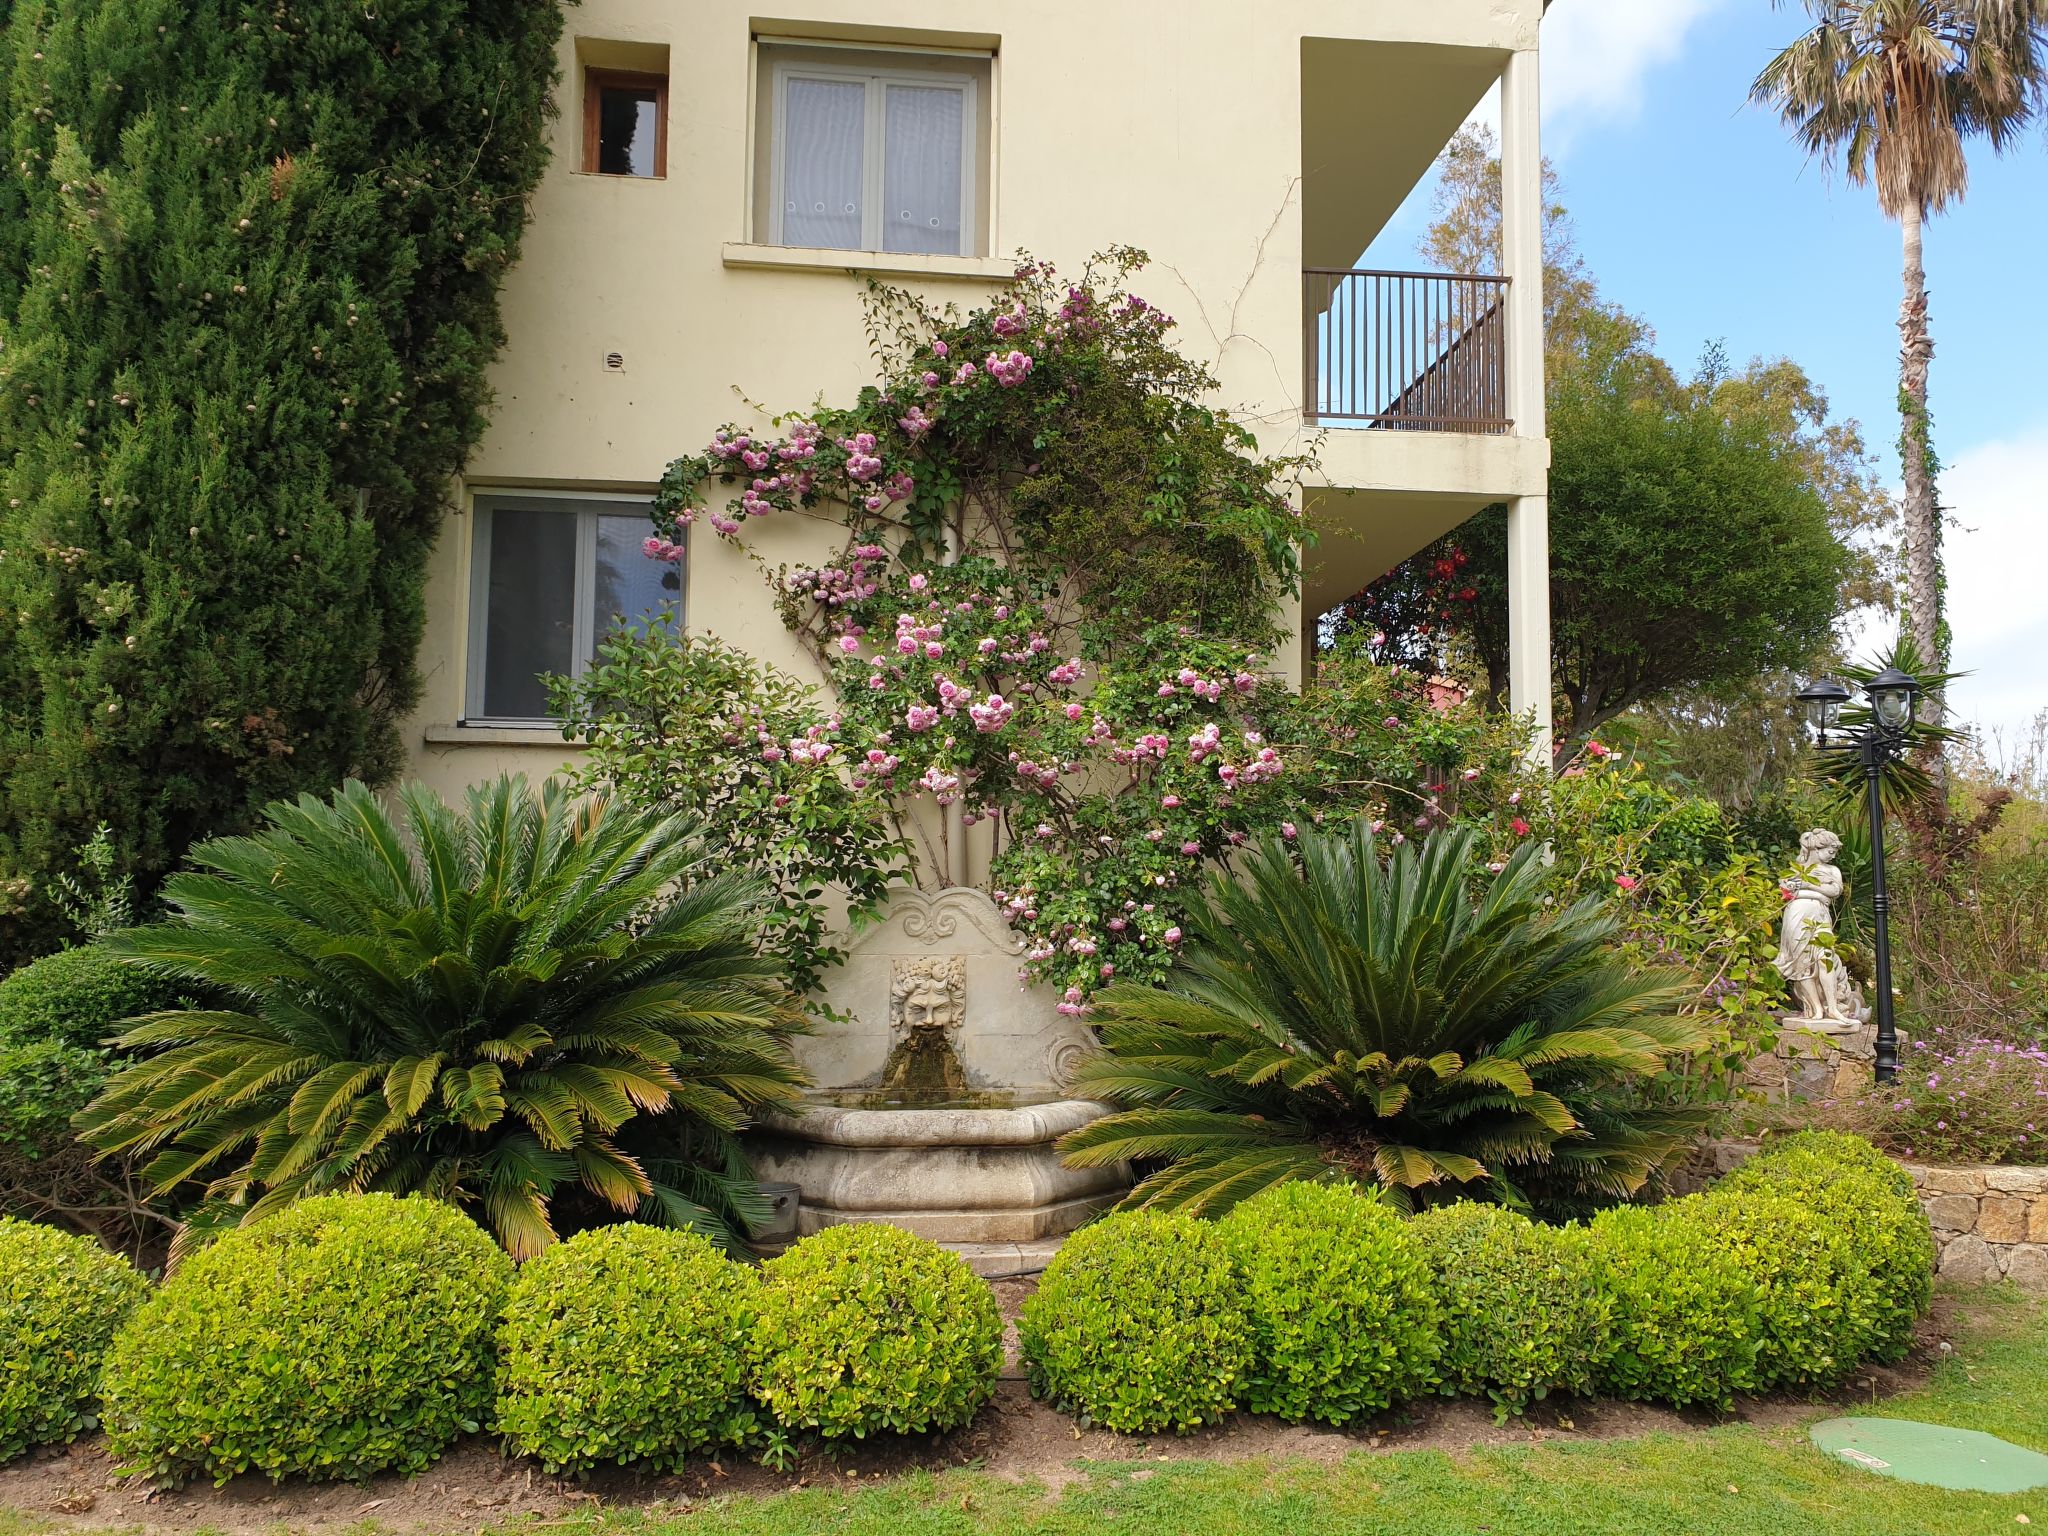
{"x": 550, "y": 577}
{"x": 625, "y": 123}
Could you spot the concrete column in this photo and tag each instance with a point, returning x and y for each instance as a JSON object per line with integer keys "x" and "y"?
{"x": 1521, "y": 203}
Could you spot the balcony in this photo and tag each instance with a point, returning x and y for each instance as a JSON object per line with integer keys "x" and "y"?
{"x": 1405, "y": 351}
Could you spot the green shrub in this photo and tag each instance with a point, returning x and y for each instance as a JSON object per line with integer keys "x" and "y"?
{"x": 624, "y": 1344}
{"x": 1523, "y": 1311}
{"x": 1139, "y": 1325}
{"x": 61, "y": 1298}
{"x": 1685, "y": 1312}
{"x": 340, "y": 1337}
{"x": 78, "y": 997}
{"x": 1337, "y": 1293}
{"x": 1846, "y": 1181}
{"x": 867, "y": 1328}
{"x": 1820, "y": 1313}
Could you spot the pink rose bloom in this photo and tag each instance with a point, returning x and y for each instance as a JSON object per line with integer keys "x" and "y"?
{"x": 1172, "y": 935}
{"x": 1288, "y": 830}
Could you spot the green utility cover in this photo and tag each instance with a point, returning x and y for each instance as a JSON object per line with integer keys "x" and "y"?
{"x": 1933, "y": 1453}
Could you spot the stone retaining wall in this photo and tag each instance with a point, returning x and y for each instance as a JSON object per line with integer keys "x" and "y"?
{"x": 1987, "y": 1222}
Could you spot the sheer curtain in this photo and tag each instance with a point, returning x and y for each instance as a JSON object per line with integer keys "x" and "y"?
{"x": 921, "y": 169}
{"x": 824, "y": 132}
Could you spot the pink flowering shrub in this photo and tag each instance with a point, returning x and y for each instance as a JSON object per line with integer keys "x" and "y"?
{"x": 1959, "y": 1098}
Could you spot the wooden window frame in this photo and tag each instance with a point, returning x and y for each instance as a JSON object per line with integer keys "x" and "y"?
{"x": 595, "y": 83}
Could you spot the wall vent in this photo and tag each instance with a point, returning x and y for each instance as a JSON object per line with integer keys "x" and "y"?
{"x": 615, "y": 362}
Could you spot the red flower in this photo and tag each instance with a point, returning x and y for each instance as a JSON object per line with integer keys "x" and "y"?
{"x": 1626, "y": 882}
{"x": 1521, "y": 827}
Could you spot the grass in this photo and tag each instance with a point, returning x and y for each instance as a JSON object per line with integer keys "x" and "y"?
{"x": 1733, "y": 1481}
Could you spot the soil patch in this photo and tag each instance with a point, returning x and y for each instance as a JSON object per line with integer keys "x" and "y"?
{"x": 1014, "y": 1437}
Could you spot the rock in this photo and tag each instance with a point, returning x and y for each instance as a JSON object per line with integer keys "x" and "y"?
{"x": 2037, "y": 1224}
{"x": 1969, "y": 1260}
{"x": 2027, "y": 1266}
{"x": 1952, "y": 1213}
{"x": 2018, "y": 1181}
{"x": 2002, "y": 1219}
{"x": 1950, "y": 1181}
{"x": 1730, "y": 1155}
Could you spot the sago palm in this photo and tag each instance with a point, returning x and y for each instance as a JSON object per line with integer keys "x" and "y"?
{"x": 495, "y": 1007}
{"x": 1895, "y": 89}
{"x": 1337, "y": 1013}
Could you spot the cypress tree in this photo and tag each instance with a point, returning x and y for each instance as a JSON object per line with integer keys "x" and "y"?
{"x": 250, "y": 253}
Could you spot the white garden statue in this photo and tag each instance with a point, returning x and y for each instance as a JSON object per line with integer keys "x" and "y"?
{"x": 1807, "y": 957}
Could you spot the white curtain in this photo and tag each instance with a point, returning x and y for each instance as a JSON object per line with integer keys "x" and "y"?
{"x": 824, "y": 132}
{"x": 921, "y": 169}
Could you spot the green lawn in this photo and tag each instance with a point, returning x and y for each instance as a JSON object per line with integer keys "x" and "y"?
{"x": 1736, "y": 1481}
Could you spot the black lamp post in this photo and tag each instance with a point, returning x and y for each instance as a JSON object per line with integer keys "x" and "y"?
{"x": 1877, "y": 741}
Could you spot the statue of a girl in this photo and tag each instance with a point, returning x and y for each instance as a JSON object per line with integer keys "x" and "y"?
{"x": 1806, "y": 950}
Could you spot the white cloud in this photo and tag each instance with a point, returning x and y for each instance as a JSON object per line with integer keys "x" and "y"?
{"x": 1997, "y": 555}
{"x": 1598, "y": 54}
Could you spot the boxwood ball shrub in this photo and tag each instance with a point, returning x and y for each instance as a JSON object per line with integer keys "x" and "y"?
{"x": 1845, "y": 1180}
{"x": 865, "y": 1329}
{"x": 1685, "y": 1311}
{"x": 1819, "y": 1311}
{"x": 343, "y": 1336}
{"x": 1139, "y": 1325}
{"x": 78, "y": 997}
{"x": 61, "y": 1299}
{"x": 625, "y": 1344}
{"x": 1523, "y": 1311}
{"x": 1338, "y": 1298}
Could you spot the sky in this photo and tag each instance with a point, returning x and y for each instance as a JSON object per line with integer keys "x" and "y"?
{"x": 1698, "y": 212}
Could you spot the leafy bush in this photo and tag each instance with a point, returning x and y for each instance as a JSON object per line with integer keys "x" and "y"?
{"x": 1337, "y": 1295}
{"x": 1844, "y": 1179}
{"x": 1955, "y": 1100}
{"x": 542, "y": 993}
{"x": 341, "y": 1337}
{"x": 1523, "y": 1311}
{"x": 77, "y": 997}
{"x": 61, "y": 1299}
{"x": 1139, "y": 1324}
{"x": 1685, "y": 1311}
{"x": 865, "y": 1329}
{"x": 1339, "y": 1014}
{"x": 620, "y": 1345}
{"x": 1820, "y": 1312}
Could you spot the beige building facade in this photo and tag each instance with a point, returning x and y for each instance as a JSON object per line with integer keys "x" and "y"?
{"x": 723, "y": 180}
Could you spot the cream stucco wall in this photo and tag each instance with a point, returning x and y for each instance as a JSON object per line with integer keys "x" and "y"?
{"x": 1195, "y": 129}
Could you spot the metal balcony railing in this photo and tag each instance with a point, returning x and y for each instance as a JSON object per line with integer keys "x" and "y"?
{"x": 1406, "y": 351}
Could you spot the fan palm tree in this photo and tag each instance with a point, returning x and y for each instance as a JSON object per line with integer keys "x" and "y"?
{"x": 1894, "y": 90}
{"x": 1339, "y": 1015}
{"x": 494, "y": 1007}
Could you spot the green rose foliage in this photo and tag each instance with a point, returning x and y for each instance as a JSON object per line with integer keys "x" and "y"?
{"x": 1140, "y": 1325}
{"x": 1685, "y": 1311}
{"x": 1337, "y": 1292}
{"x": 1523, "y": 1311}
{"x": 61, "y": 1299}
{"x": 1844, "y": 1180}
{"x": 346, "y": 1335}
{"x": 867, "y": 1329}
{"x": 622, "y": 1345}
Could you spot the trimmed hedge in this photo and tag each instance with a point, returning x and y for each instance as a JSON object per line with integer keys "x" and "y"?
{"x": 1685, "y": 1312}
{"x": 868, "y": 1328}
{"x": 623, "y": 1345}
{"x": 61, "y": 1299}
{"x": 1338, "y": 1298}
{"x": 79, "y": 997}
{"x": 1819, "y": 1314}
{"x": 1846, "y": 1181}
{"x": 1523, "y": 1310}
{"x": 343, "y": 1336}
{"x": 1139, "y": 1325}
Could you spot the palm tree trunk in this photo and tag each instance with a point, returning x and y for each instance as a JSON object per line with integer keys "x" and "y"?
{"x": 1922, "y": 516}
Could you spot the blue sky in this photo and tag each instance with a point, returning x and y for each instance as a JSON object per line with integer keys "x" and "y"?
{"x": 1697, "y": 211}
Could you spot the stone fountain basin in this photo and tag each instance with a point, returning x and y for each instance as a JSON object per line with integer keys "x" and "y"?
{"x": 979, "y": 1169}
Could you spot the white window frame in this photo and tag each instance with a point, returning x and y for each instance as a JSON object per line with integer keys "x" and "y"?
{"x": 873, "y": 156}
{"x": 586, "y": 507}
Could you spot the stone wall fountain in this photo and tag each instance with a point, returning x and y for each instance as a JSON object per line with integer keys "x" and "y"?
{"x": 940, "y": 1090}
